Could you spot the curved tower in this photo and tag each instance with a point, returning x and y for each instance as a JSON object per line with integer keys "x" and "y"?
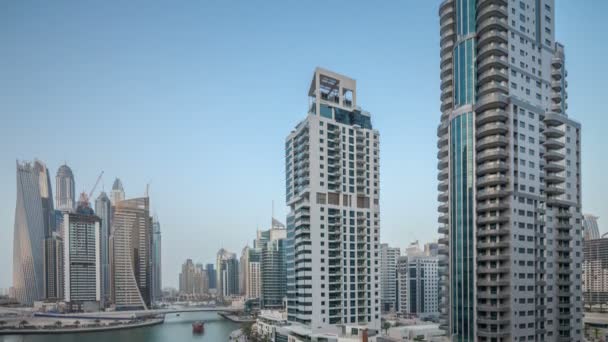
{"x": 34, "y": 220}
{"x": 509, "y": 175}
{"x": 130, "y": 245}
{"x": 65, "y": 187}
{"x": 590, "y": 227}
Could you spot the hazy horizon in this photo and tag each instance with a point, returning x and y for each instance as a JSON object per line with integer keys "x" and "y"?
{"x": 197, "y": 99}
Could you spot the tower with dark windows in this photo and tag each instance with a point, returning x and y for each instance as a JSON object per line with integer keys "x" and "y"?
{"x": 509, "y": 176}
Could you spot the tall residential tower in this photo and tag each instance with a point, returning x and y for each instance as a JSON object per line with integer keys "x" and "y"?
{"x": 332, "y": 190}
{"x": 65, "y": 189}
{"x": 34, "y": 222}
{"x": 509, "y": 175}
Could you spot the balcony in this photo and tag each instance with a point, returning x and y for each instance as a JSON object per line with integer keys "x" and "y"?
{"x": 492, "y": 219}
{"x": 493, "y": 206}
{"x": 491, "y": 142}
{"x": 492, "y": 49}
{"x": 491, "y": 116}
{"x": 554, "y": 156}
{"x": 492, "y": 193}
{"x": 493, "y": 232}
{"x": 492, "y": 101}
{"x": 492, "y": 128}
{"x": 553, "y": 144}
{"x": 491, "y": 23}
{"x": 492, "y": 87}
{"x": 492, "y": 167}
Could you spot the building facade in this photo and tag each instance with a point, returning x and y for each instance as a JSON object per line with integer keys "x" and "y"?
{"x": 130, "y": 254}
{"x": 193, "y": 280}
{"x": 249, "y": 276}
{"x": 82, "y": 258}
{"x": 388, "y": 276}
{"x": 418, "y": 286}
{"x": 211, "y": 275}
{"x": 273, "y": 270}
{"x": 103, "y": 209}
{"x": 590, "y": 227}
{"x": 65, "y": 189}
{"x": 53, "y": 267}
{"x": 34, "y": 222}
{"x": 509, "y": 176}
{"x": 156, "y": 262}
{"x": 595, "y": 274}
{"x": 332, "y": 190}
{"x": 227, "y": 274}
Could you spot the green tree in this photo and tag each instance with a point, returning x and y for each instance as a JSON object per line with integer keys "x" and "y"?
{"x": 23, "y": 323}
{"x": 385, "y": 326}
{"x": 58, "y": 324}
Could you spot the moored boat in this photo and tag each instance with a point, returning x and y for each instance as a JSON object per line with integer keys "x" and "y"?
{"x": 198, "y": 327}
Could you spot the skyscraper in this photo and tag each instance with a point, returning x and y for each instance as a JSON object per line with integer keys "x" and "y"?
{"x": 130, "y": 253}
{"x": 34, "y": 221}
{"x": 156, "y": 262}
{"x": 388, "y": 276}
{"x": 82, "y": 258}
{"x": 53, "y": 267}
{"x": 227, "y": 274}
{"x": 103, "y": 209}
{"x": 65, "y": 189}
{"x": 509, "y": 175}
{"x": 211, "y": 276}
{"x": 273, "y": 268}
{"x": 118, "y": 192}
{"x": 193, "y": 280}
{"x": 332, "y": 190}
{"x": 590, "y": 227}
{"x": 250, "y": 272}
{"x": 417, "y": 285}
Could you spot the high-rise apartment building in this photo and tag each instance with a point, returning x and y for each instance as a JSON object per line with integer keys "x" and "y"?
{"x": 130, "y": 253}
{"x": 332, "y": 190}
{"x": 156, "y": 262}
{"x": 590, "y": 227}
{"x": 34, "y": 222}
{"x": 82, "y": 258}
{"x": 388, "y": 276}
{"x": 249, "y": 276}
{"x": 193, "y": 280}
{"x": 273, "y": 268}
{"x": 103, "y": 209}
{"x": 509, "y": 175}
{"x": 53, "y": 267}
{"x": 595, "y": 273}
{"x": 227, "y": 274}
{"x": 418, "y": 286}
{"x": 65, "y": 189}
{"x": 211, "y": 275}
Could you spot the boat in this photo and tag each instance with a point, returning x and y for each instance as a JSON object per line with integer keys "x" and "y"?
{"x": 176, "y": 315}
{"x": 198, "y": 327}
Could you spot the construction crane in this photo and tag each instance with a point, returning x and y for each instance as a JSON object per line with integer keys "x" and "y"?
{"x": 95, "y": 186}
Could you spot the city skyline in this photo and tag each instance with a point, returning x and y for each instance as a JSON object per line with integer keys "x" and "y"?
{"x": 174, "y": 196}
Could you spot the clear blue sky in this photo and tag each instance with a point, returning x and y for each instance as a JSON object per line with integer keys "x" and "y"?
{"x": 197, "y": 98}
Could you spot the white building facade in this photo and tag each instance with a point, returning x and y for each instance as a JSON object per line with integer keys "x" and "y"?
{"x": 332, "y": 190}
{"x": 509, "y": 176}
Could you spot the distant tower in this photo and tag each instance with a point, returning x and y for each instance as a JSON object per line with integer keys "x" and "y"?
{"x": 156, "y": 283}
{"x": 103, "y": 209}
{"x": 65, "y": 199}
{"x": 130, "y": 253}
{"x": 590, "y": 227}
{"x": 33, "y": 213}
{"x": 118, "y": 193}
{"x": 81, "y": 255}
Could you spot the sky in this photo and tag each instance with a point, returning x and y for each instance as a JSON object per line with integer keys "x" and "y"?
{"x": 196, "y": 99}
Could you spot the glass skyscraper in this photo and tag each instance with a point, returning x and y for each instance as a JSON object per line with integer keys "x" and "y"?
{"x": 34, "y": 221}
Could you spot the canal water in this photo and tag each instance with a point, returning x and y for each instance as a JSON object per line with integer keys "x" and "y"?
{"x": 175, "y": 329}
